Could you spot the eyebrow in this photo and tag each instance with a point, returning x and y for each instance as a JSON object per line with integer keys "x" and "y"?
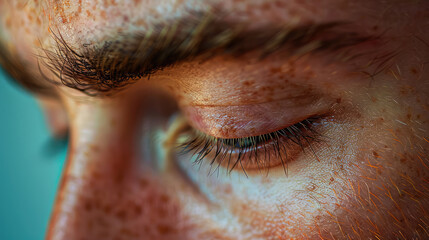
{"x": 102, "y": 68}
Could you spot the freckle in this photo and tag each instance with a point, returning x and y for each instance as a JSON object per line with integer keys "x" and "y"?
{"x": 375, "y": 154}
{"x": 164, "y": 199}
{"x": 228, "y": 189}
{"x": 143, "y": 183}
{"x": 247, "y": 83}
{"x": 107, "y": 209}
{"x": 414, "y": 71}
{"x": 140, "y": 22}
{"x": 103, "y": 14}
{"x": 88, "y": 206}
{"x": 119, "y": 177}
{"x": 138, "y": 209}
{"x": 88, "y": 13}
{"x": 121, "y": 214}
{"x": 164, "y": 229}
{"x": 403, "y": 160}
{"x": 8, "y": 22}
{"x": 373, "y": 99}
{"x": 409, "y": 116}
{"x": 338, "y": 100}
{"x": 275, "y": 70}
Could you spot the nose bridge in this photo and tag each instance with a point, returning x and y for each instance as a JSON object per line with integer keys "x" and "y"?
{"x": 99, "y": 159}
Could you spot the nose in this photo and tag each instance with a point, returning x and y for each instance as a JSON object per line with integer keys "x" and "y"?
{"x": 105, "y": 192}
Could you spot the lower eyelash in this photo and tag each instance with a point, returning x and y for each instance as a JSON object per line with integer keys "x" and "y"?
{"x": 258, "y": 149}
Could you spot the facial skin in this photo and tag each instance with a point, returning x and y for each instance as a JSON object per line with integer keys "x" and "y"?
{"x": 368, "y": 178}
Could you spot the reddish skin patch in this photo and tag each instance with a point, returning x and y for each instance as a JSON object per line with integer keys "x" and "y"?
{"x": 103, "y": 15}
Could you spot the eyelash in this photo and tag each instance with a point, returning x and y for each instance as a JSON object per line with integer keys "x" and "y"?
{"x": 302, "y": 135}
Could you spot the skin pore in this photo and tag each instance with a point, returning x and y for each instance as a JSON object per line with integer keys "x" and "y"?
{"x": 366, "y": 178}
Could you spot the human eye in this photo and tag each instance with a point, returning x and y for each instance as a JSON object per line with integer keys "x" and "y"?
{"x": 253, "y": 153}
{"x": 280, "y": 133}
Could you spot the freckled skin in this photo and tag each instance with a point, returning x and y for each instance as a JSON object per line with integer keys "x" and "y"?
{"x": 368, "y": 180}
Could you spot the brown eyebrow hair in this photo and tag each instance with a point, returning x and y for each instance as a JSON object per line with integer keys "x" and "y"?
{"x": 126, "y": 58}
{"x": 100, "y": 70}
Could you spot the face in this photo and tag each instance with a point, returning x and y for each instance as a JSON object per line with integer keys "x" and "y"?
{"x": 231, "y": 119}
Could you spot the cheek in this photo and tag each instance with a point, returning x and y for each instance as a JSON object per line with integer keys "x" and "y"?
{"x": 377, "y": 198}
{"x": 116, "y": 203}
{"x": 371, "y": 181}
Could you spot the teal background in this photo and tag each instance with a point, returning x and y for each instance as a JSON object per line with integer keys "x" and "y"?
{"x": 29, "y": 176}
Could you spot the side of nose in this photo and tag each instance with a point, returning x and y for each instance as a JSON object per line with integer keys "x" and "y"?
{"x": 105, "y": 193}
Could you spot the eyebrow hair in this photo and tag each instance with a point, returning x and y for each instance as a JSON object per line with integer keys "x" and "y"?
{"x": 126, "y": 58}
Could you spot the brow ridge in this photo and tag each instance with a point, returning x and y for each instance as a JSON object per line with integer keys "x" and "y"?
{"x": 126, "y": 58}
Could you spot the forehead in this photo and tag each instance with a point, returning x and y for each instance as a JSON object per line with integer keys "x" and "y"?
{"x": 92, "y": 20}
